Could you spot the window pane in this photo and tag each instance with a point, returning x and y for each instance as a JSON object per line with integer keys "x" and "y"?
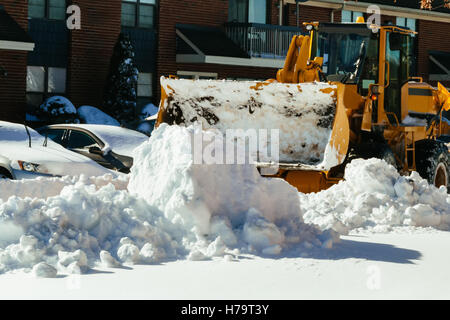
{"x": 237, "y": 11}
{"x": 148, "y": 1}
{"x": 356, "y": 15}
{"x": 128, "y": 14}
{"x": 56, "y": 80}
{"x": 35, "y": 79}
{"x": 346, "y": 16}
{"x": 145, "y": 85}
{"x": 146, "y": 16}
{"x": 411, "y": 23}
{"x": 400, "y": 21}
{"x": 145, "y": 78}
{"x": 79, "y": 140}
{"x": 36, "y": 8}
{"x": 257, "y": 11}
{"x": 54, "y": 134}
{"x": 57, "y": 9}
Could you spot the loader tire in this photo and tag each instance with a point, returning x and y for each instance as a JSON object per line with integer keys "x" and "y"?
{"x": 373, "y": 150}
{"x": 433, "y": 162}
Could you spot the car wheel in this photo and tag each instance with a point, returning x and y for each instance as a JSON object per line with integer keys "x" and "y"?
{"x": 5, "y": 175}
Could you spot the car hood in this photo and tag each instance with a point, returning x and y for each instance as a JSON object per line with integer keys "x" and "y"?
{"x": 51, "y": 159}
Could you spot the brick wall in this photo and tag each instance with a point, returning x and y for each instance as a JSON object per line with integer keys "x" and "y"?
{"x": 91, "y": 49}
{"x": 201, "y": 12}
{"x": 13, "y": 87}
{"x": 306, "y": 14}
{"x": 310, "y": 14}
{"x": 432, "y": 36}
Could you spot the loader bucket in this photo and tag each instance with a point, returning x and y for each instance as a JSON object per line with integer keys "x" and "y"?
{"x": 310, "y": 117}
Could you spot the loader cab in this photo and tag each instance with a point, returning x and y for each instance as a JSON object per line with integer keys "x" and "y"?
{"x": 350, "y": 53}
{"x": 355, "y": 55}
{"x": 396, "y": 61}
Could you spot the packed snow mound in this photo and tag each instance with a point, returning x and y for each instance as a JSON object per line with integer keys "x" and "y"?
{"x": 81, "y": 227}
{"x": 302, "y": 114}
{"x": 227, "y": 204}
{"x": 57, "y": 109}
{"x": 45, "y": 187}
{"x": 172, "y": 209}
{"x": 92, "y": 115}
{"x": 148, "y": 111}
{"x": 375, "y": 197}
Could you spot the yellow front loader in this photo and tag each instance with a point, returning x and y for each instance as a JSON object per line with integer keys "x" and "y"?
{"x": 346, "y": 91}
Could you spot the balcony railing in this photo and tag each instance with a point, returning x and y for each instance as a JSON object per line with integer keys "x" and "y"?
{"x": 262, "y": 40}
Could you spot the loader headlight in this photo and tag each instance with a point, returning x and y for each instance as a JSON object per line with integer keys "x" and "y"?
{"x": 28, "y": 166}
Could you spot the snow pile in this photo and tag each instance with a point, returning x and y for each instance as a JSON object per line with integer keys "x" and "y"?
{"x": 44, "y": 187}
{"x": 225, "y": 206}
{"x": 172, "y": 209}
{"x": 82, "y": 226}
{"x": 303, "y": 114}
{"x": 92, "y": 115}
{"x": 375, "y": 197}
{"x": 148, "y": 110}
{"x": 57, "y": 109}
{"x": 413, "y": 121}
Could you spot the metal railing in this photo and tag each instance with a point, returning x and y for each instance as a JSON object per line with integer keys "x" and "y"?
{"x": 262, "y": 40}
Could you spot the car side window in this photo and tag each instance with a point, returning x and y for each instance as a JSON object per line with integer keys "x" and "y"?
{"x": 80, "y": 140}
{"x": 54, "y": 134}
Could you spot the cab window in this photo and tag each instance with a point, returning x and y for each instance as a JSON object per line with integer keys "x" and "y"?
{"x": 80, "y": 140}
{"x": 54, "y": 134}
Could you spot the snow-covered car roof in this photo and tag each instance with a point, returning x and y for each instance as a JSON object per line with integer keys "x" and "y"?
{"x": 120, "y": 140}
{"x": 53, "y": 158}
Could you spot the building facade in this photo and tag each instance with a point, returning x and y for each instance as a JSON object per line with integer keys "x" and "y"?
{"x": 198, "y": 39}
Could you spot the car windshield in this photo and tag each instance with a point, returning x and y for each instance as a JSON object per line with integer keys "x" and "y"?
{"x": 343, "y": 54}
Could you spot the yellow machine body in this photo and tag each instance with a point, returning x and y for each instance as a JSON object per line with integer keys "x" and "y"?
{"x": 355, "y": 113}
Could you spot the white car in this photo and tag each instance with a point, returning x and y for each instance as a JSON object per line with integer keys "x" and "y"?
{"x": 109, "y": 146}
{"x": 24, "y": 153}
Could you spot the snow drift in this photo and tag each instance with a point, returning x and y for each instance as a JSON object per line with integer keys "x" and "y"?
{"x": 43, "y": 188}
{"x": 173, "y": 209}
{"x": 232, "y": 204}
{"x": 375, "y": 197}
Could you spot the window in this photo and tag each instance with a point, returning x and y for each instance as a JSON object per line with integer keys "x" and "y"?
{"x": 247, "y": 11}
{"x": 54, "y": 134}
{"x": 350, "y": 16}
{"x": 80, "y": 140}
{"x": 144, "y": 89}
{"x": 144, "y": 85}
{"x": 406, "y": 22}
{"x": 138, "y": 13}
{"x": 47, "y": 9}
{"x": 43, "y": 82}
{"x": 196, "y": 75}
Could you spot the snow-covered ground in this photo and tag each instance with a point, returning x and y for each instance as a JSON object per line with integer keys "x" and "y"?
{"x": 179, "y": 230}
{"x": 373, "y": 266}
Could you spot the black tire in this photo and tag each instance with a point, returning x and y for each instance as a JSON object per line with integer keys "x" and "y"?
{"x": 373, "y": 150}
{"x": 4, "y": 174}
{"x": 433, "y": 162}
